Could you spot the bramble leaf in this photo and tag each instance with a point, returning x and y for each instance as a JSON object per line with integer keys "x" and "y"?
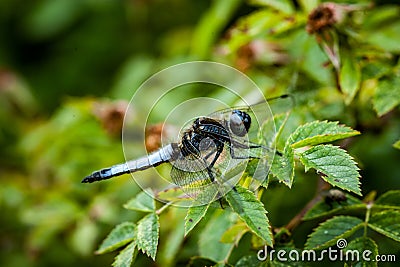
{"x": 235, "y": 233}
{"x": 126, "y": 256}
{"x": 350, "y": 78}
{"x": 390, "y": 199}
{"x": 193, "y": 216}
{"x": 362, "y": 244}
{"x": 397, "y": 144}
{"x": 283, "y": 166}
{"x": 267, "y": 137}
{"x": 318, "y": 132}
{"x": 338, "y": 167}
{"x": 147, "y": 234}
{"x": 387, "y": 95}
{"x": 142, "y": 202}
{"x": 328, "y": 232}
{"x": 284, "y": 6}
{"x": 387, "y": 223}
{"x": 210, "y": 244}
{"x": 251, "y": 211}
{"x": 118, "y": 237}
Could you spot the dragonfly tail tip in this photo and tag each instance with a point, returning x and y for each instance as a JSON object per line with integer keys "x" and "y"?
{"x": 87, "y": 180}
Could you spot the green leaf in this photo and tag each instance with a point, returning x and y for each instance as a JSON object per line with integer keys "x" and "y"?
{"x": 268, "y": 137}
{"x": 210, "y": 244}
{"x": 386, "y": 223}
{"x": 235, "y": 233}
{"x": 283, "y": 166}
{"x": 397, "y": 144}
{"x": 142, "y": 202}
{"x": 210, "y": 25}
{"x": 126, "y": 256}
{"x": 49, "y": 18}
{"x": 387, "y": 95}
{"x": 280, "y": 122}
{"x": 350, "y": 78}
{"x": 386, "y": 37}
{"x": 323, "y": 209}
{"x": 362, "y": 244}
{"x": 118, "y": 237}
{"x": 174, "y": 194}
{"x": 147, "y": 234}
{"x": 390, "y": 198}
{"x": 338, "y": 167}
{"x": 171, "y": 242}
{"x": 193, "y": 216}
{"x": 84, "y": 236}
{"x": 285, "y": 6}
{"x": 328, "y": 232}
{"x": 318, "y": 132}
{"x": 253, "y": 261}
{"x": 251, "y": 211}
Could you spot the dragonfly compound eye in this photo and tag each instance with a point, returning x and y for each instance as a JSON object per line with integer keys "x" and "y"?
{"x": 239, "y": 122}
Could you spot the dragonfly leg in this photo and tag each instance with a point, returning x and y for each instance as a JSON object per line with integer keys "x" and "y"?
{"x": 209, "y": 154}
{"x": 220, "y": 148}
{"x": 231, "y": 150}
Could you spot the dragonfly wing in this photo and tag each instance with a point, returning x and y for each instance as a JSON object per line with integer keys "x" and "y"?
{"x": 192, "y": 175}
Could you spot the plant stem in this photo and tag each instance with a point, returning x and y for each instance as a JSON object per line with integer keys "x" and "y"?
{"x": 158, "y": 212}
{"x": 295, "y": 221}
{"x": 367, "y": 215}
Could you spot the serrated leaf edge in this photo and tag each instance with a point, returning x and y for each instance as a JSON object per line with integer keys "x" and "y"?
{"x": 332, "y": 241}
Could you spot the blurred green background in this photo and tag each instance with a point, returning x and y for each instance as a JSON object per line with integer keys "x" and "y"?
{"x": 65, "y": 66}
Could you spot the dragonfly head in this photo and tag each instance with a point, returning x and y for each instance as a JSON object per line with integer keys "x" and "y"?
{"x": 239, "y": 122}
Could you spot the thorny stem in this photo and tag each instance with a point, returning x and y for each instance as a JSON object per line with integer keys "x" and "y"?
{"x": 295, "y": 221}
{"x": 158, "y": 212}
{"x": 367, "y": 214}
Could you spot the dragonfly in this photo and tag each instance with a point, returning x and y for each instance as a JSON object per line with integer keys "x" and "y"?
{"x": 206, "y": 154}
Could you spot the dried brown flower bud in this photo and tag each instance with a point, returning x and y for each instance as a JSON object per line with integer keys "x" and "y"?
{"x": 324, "y": 17}
{"x": 111, "y": 116}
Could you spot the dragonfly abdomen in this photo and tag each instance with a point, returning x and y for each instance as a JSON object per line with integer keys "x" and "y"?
{"x": 164, "y": 154}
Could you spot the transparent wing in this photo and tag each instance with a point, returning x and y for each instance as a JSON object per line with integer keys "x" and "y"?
{"x": 192, "y": 175}
{"x": 204, "y": 183}
{"x": 260, "y": 113}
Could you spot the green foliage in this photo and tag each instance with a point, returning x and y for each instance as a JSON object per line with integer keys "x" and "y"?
{"x": 386, "y": 223}
{"x": 387, "y": 94}
{"x": 144, "y": 201}
{"x": 193, "y": 216}
{"x": 390, "y": 199}
{"x": 335, "y": 165}
{"x": 381, "y": 215}
{"x": 147, "y": 234}
{"x": 126, "y": 256}
{"x": 319, "y": 132}
{"x": 327, "y": 233}
{"x": 362, "y": 244}
{"x": 350, "y": 78}
{"x": 283, "y": 166}
{"x": 397, "y": 144}
{"x": 119, "y": 236}
{"x": 209, "y": 241}
{"x": 251, "y": 211}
